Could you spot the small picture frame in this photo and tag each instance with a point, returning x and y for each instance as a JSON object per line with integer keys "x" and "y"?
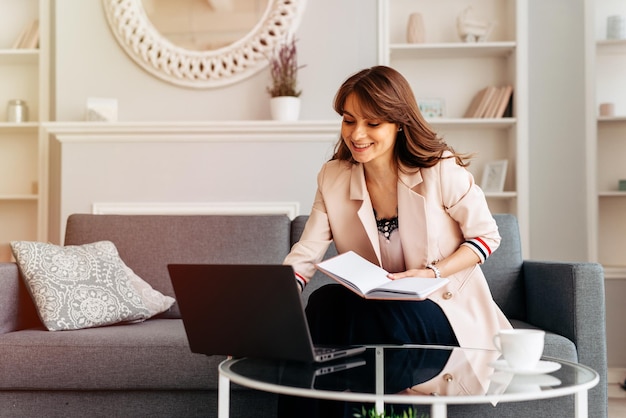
{"x": 494, "y": 175}
{"x": 432, "y": 108}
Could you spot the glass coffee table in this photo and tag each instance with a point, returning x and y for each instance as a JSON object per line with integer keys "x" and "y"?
{"x": 414, "y": 375}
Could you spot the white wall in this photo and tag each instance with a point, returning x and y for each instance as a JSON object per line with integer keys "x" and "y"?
{"x": 557, "y": 130}
{"x": 558, "y": 198}
{"x": 335, "y": 40}
{"x": 181, "y": 168}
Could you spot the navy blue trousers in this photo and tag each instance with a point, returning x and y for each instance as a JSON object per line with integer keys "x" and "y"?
{"x": 337, "y": 316}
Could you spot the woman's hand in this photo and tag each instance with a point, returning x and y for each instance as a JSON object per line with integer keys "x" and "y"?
{"x": 461, "y": 259}
{"x": 412, "y": 273}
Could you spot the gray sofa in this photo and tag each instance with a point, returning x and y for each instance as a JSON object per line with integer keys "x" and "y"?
{"x": 147, "y": 369}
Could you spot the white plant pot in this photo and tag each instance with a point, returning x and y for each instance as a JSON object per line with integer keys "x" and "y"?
{"x": 285, "y": 108}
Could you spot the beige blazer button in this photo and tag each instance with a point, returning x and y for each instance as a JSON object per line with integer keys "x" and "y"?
{"x": 447, "y": 295}
{"x": 448, "y": 377}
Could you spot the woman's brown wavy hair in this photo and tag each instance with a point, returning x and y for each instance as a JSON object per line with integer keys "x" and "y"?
{"x": 385, "y": 95}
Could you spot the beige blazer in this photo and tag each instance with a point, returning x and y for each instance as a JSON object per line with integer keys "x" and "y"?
{"x": 439, "y": 208}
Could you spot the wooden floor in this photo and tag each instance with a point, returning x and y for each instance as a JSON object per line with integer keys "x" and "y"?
{"x": 617, "y": 402}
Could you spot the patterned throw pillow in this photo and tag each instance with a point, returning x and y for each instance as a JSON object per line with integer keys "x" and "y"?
{"x": 154, "y": 301}
{"x": 85, "y": 286}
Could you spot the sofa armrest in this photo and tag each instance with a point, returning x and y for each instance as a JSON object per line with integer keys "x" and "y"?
{"x": 9, "y": 297}
{"x": 568, "y": 299}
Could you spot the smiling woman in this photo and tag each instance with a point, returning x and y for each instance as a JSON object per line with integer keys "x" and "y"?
{"x": 231, "y": 45}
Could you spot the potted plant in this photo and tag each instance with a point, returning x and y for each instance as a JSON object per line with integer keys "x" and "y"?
{"x": 284, "y": 91}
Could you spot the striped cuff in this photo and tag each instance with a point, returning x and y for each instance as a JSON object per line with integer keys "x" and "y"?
{"x": 479, "y": 247}
{"x": 301, "y": 281}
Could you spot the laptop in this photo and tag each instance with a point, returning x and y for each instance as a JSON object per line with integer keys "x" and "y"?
{"x": 246, "y": 310}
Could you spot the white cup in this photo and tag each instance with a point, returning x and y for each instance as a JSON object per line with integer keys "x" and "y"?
{"x": 521, "y": 348}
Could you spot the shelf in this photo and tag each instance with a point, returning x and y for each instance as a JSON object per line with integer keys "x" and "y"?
{"x": 456, "y": 50}
{"x": 17, "y": 197}
{"x": 448, "y": 69}
{"x": 615, "y": 272}
{"x": 611, "y": 119}
{"x": 23, "y": 152}
{"x": 19, "y": 128}
{"x": 472, "y": 123}
{"x": 501, "y": 195}
{"x": 19, "y": 56}
{"x": 611, "y": 46}
{"x": 614, "y": 193}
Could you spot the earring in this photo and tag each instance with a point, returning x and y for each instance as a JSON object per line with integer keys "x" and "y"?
{"x": 400, "y": 129}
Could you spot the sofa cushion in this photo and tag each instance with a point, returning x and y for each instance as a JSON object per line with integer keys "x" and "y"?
{"x": 148, "y": 243}
{"x": 10, "y": 286}
{"x": 84, "y": 286}
{"x": 152, "y": 355}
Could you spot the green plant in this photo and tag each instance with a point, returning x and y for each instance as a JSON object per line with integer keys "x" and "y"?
{"x": 284, "y": 70}
{"x": 371, "y": 413}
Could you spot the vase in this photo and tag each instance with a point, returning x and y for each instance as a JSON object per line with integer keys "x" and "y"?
{"x": 616, "y": 27}
{"x": 415, "y": 32}
{"x": 607, "y": 109}
{"x": 285, "y": 108}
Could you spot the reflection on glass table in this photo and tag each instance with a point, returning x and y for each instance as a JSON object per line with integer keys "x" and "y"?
{"x": 414, "y": 375}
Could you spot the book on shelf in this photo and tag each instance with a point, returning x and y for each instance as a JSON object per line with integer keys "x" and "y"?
{"x": 371, "y": 282}
{"x": 505, "y": 104}
{"x": 492, "y": 106}
{"x": 490, "y": 102}
{"x": 28, "y": 37}
{"x": 487, "y": 99}
{"x": 476, "y": 101}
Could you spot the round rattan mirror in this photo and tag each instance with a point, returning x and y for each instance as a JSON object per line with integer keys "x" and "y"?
{"x": 225, "y": 65}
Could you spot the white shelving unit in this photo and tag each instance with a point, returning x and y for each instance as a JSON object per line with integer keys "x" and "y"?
{"x": 23, "y": 75}
{"x": 444, "y": 67}
{"x": 607, "y": 141}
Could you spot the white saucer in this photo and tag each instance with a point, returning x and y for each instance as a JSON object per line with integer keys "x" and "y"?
{"x": 541, "y": 368}
{"x": 525, "y": 380}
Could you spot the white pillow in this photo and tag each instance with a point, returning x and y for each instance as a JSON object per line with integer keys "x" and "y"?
{"x": 85, "y": 286}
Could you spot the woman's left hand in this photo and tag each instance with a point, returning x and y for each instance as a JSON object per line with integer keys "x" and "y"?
{"x": 412, "y": 273}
